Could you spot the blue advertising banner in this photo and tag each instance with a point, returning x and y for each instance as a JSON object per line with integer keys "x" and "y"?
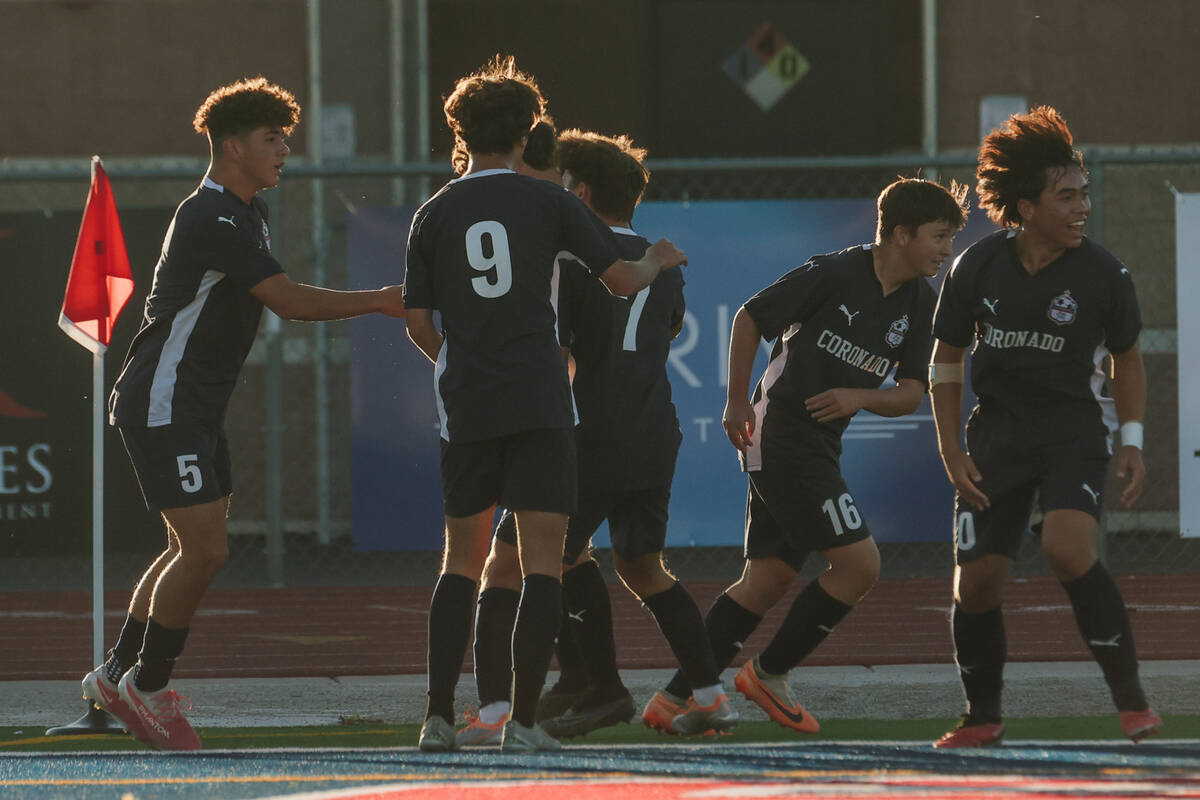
{"x": 734, "y": 249}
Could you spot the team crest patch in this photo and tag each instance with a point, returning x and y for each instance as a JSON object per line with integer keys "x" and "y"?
{"x": 266, "y": 234}
{"x": 895, "y": 334}
{"x": 1063, "y": 309}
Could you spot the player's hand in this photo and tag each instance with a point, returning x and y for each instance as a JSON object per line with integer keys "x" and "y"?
{"x": 391, "y": 301}
{"x": 833, "y": 404}
{"x": 1129, "y": 463}
{"x": 965, "y": 477}
{"x": 666, "y": 254}
{"x": 738, "y": 421}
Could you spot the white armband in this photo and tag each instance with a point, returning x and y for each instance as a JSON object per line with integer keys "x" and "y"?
{"x": 945, "y": 372}
{"x": 1132, "y": 434}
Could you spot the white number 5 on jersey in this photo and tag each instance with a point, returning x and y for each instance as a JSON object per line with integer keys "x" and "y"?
{"x": 498, "y": 264}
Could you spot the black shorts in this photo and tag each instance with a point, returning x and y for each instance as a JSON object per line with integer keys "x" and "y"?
{"x": 1016, "y": 468}
{"x": 181, "y": 464}
{"x": 799, "y": 503}
{"x": 637, "y": 523}
{"x": 529, "y": 471}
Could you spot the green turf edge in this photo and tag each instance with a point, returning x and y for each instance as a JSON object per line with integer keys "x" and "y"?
{"x": 365, "y": 733}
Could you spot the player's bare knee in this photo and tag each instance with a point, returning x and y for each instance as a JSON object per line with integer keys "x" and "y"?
{"x": 502, "y": 570}
{"x": 1068, "y": 561}
{"x": 206, "y": 557}
{"x": 977, "y": 597}
{"x": 760, "y": 589}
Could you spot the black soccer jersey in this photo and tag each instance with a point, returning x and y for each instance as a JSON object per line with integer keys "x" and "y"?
{"x": 1039, "y": 339}
{"x": 628, "y": 432}
{"x": 200, "y": 319}
{"x": 833, "y": 328}
{"x": 482, "y": 251}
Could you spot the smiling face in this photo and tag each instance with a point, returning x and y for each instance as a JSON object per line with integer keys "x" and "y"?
{"x": 926, "y": 249}
{"x": 1059, "y": 215}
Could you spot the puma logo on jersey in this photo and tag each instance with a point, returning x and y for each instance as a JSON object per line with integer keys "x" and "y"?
{"x": 991, "y": 305}
{"x": 850, "y": 315}
{"x": 1115, "y": 641}
{"x": 738, "y": 645}
{"x": 227, "y": 219}
{"x": 825, "y": 628}
{"x": 1095, "y": 495}
{"x": 578, "y": 615}
{"x": 966, "y": 669}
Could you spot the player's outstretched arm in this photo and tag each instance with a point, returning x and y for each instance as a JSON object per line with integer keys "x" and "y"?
{"x": 738, "y": 419}
{"x": 299, "y": 301}
{"x": 1129, "y": 393}
{"x": 423, "y": 333}
{"x": 623, "y": 278}
{"x": 945, "y": 391}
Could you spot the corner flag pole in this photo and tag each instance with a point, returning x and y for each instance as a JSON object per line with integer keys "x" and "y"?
{"x": 98, "y": 507}
{"x": 99, "y": 285}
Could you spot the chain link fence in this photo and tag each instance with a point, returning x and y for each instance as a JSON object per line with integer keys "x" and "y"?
{"x": 290, "y": 527}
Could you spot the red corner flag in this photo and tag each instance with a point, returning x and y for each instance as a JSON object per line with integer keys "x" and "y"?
{"x": 101, "y": 282}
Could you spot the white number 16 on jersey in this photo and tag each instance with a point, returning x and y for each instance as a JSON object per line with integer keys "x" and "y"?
{"x": 500, "y": 261}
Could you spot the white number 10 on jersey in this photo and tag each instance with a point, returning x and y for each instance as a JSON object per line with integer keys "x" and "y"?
{"x": 500, "y": 261}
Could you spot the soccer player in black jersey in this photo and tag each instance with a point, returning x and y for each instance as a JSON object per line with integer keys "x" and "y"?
{"x": 500, "y": 585}
{"x": 482, "y": 252}
{"x": 842, "y": 323}
{"x": 215, "y": 274}
{"x": 628, "y": 438}
{"x": 1044, "y": 308}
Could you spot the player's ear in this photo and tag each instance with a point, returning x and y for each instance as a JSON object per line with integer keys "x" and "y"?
{"x": 232, "y": 147}
{"x": 1025, "y": 209}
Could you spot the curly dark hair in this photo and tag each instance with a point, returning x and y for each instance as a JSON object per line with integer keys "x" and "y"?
{"x": 912, "y": 202}
{"x": 1014, "y": 161}
{"x": 541, "y": 147}
{"x": 245, "y": 105}
{"x": 491, "y": 109}
{"x": 611, "y": 166}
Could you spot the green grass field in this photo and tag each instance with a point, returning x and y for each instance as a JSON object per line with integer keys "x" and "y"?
{"x": 368, "y": 733}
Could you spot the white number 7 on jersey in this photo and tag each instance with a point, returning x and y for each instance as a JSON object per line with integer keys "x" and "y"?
{"x": 500, "y": 260}
{"x": 635, "y": 315}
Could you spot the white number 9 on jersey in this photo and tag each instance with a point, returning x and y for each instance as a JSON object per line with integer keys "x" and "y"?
{"x": 500, "y": 261}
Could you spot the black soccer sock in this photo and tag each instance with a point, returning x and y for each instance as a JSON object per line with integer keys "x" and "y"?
{"x": 572, "y": 676}
{"x": 589, "y": 625}
{"x": 1104, "y": 622}
{"x": 495, "y": 614}
{"x": 812, "y": 617}
{"x": 125, "y": 654}
{"x": 729, "y": 625}
{"x": 533, "y": 642}
{"x": 980, "y": 649}
{"x": 160, "y": 648}
{"x": 680, "y": 622}
{"x": 449, "y": 630}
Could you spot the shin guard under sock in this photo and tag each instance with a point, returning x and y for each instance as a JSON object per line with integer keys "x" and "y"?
{"x": 495, "y": 614}
{"x": 449, "y": 631}
{"x": 681, "y": 624}
{"x": 729, "y": 625}
{"x": 1104, "y": 623}
{"x": 980, "y": 649}
{"x": 812, "y": 617}
{"x": 589, "y": 624}
{"x": 538, "y": 614}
